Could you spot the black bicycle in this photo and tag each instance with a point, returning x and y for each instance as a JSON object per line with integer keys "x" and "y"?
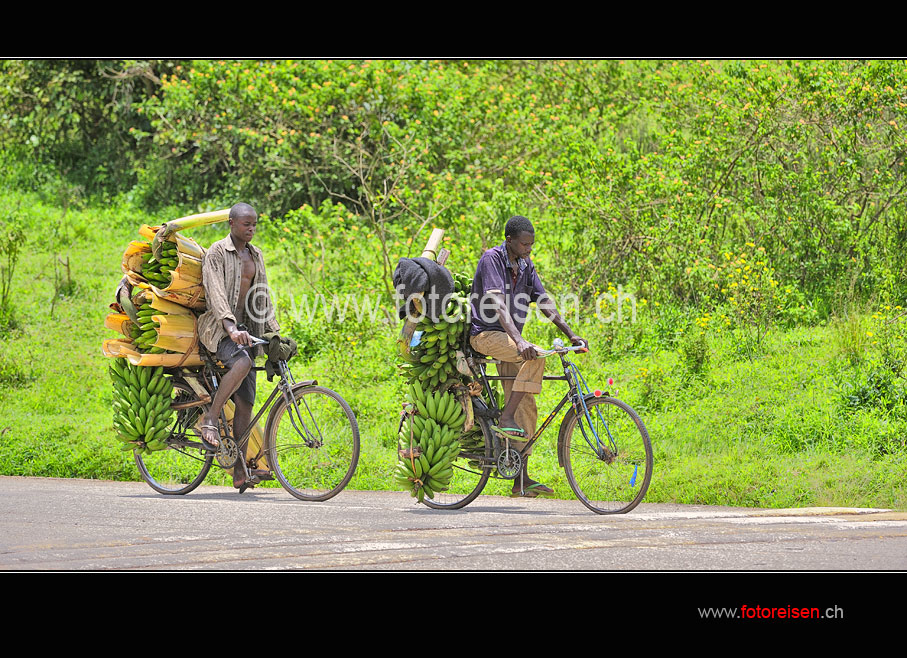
{"x": 602, "y": 444}
{"x": 310, "y": 440}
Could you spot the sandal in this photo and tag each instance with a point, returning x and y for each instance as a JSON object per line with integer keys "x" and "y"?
{"x": 207, "y": 442}
{"x": 533, "y": 491}
{"x": 519, "y": 434}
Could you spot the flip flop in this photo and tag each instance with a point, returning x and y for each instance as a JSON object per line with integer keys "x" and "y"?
{"x": 205, "y": 442}
{"x": 503, "y": 431}
{"x": 533, "y": 491}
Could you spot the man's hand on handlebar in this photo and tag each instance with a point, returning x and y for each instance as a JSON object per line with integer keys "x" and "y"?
{"x": 240, "y": 337}
{"x": 527, "y": 350}
{"x": 576, "y": 340}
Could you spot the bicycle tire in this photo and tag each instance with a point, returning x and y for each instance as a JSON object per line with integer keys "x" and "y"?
{"x": 177, "y": 470}
{"x": 468, "y": 481}
{"x": 306, "y": 472}
{"x": 613, "y": 485}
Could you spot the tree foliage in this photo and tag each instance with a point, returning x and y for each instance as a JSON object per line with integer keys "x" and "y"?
{"x": 644, "y": 173}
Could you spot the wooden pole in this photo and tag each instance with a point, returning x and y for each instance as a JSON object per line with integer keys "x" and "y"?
{"x": 433, "y": 244}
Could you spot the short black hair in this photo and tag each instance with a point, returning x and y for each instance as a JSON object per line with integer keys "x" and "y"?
{"x": 241, "y": 210}
{"x": 516, "y": 225}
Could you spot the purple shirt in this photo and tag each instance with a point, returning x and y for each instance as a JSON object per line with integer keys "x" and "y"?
{"x": 494, "y": 274}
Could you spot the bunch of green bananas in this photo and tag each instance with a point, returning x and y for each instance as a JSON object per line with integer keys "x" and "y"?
{"x": 434, "y": 359}
{"x": 429, "y": 442}
{"x": 473, "y": 442}
{"x": 158, "y": 270}
{"x": 462, "y": 283}
{"x": 144, "y": 335}
{"x": 141, "y": 405}
{"x": 441, "y": 407}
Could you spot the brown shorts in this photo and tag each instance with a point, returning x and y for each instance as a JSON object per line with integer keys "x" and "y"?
{"x": 527, "y": 377}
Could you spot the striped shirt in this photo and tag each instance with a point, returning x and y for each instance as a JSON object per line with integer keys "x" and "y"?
{"x": 222, "y": 279}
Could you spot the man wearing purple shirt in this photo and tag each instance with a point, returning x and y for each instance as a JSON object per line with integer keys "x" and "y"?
{"x": 504, "y": 285}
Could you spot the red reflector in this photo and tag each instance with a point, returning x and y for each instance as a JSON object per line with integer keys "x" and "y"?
{"x": 597, "y": 393}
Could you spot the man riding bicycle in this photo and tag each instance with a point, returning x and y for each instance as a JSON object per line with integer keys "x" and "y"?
{"x": 504, "y": 285}
{"x": 233, "y": 275}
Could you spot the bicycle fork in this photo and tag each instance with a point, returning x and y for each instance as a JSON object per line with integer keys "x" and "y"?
{"x": 606, "y": 453}
{"x": 312, "y": 440}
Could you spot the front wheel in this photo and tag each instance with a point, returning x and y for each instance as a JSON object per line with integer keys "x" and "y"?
{"x": 471, "y": 469}
{"x": 312, "y": 446}
{"x": 607, "y": 455}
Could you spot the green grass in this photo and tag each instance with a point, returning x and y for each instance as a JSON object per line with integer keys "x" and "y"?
{"x": 771, "y": 431}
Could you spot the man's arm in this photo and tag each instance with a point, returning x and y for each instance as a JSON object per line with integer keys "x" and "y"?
{"x": 549, "y": 310}
{"x": 237, "y": 336}
{"x": 525, "y": 349}
{"x": 216, "y": 295}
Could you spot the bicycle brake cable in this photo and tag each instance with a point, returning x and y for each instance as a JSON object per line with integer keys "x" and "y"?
{"x": 307, "y": 435}
{"x": 583, "y": 390}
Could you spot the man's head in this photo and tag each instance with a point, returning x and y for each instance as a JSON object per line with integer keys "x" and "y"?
{"x": 519, "y": 235}
{"x": 243, "y": 220}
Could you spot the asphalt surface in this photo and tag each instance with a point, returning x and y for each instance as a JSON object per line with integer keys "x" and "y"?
{"x": 51, "y": 524}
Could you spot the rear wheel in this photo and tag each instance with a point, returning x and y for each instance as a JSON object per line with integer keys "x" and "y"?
{"x": 314, "y": 452}
{"x": 183, "y": 465}
{"x": 607, "y": 455}
{"x": 472, "y": 468}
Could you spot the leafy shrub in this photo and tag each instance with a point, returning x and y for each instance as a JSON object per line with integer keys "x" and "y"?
{"x": 695, "y": 352}
{"x": 878, "y": 389}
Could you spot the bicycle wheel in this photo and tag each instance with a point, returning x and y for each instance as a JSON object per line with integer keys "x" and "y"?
{"x": 615, "y": 478}
{"x": 472, "y": 467}
{"x": 313, "y": 453}
{"x": 183, "y": 465}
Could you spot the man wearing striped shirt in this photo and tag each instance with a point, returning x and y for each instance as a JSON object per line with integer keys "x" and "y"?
{"x": 239, "y": 306}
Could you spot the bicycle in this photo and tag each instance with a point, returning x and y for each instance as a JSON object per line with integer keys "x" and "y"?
{"x": 310, "y": 440}
{"x": 603, "y": 445}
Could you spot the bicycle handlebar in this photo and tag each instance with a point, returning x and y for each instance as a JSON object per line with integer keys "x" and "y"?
{"x": 558, "y": 347}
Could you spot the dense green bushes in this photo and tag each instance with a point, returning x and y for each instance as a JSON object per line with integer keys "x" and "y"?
{"x": 640, "y": 173}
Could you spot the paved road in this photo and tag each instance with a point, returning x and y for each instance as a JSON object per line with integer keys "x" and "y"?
{"x": 77, "y": 525}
